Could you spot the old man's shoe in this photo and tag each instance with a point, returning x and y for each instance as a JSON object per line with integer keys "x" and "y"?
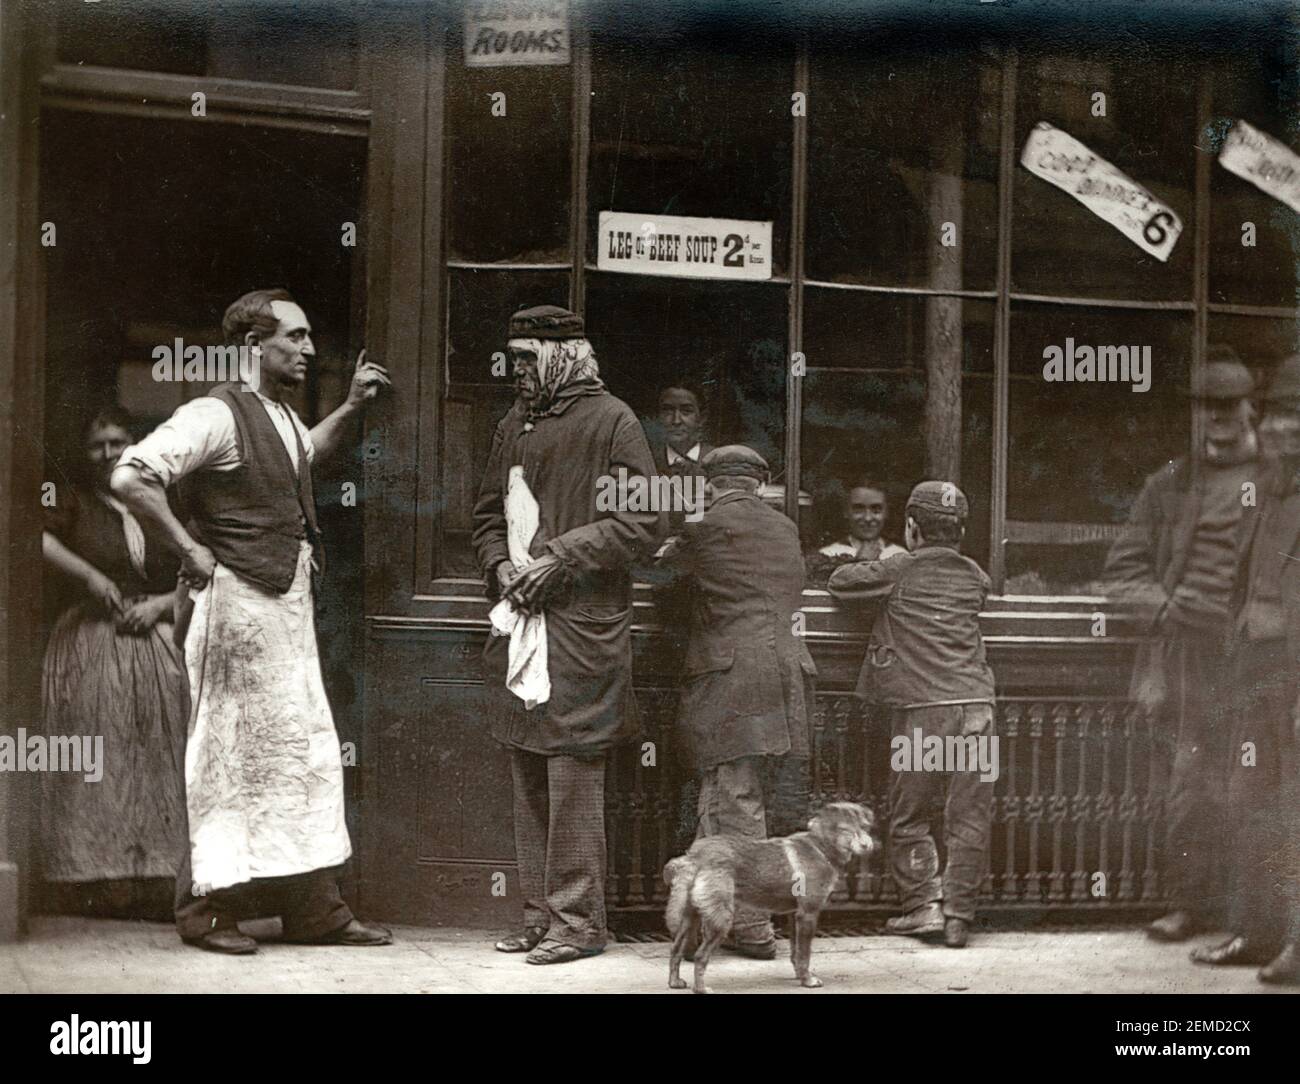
{"x": 1234, "y": 951}
{"x": 956, "y": 932}
{"x": 356, "y": 934}
{"x": 557, "y": 952}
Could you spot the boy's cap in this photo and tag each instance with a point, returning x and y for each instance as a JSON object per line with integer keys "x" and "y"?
{"x": 734, "y": 459}
{"x": 943, "y": 498}
{"x": 545, "y": 322}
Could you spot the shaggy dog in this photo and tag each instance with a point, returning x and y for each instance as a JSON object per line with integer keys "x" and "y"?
{"x": 792, "y": 874}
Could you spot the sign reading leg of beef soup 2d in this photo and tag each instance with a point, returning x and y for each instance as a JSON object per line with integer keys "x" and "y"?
{"x": 1062, "y": 160}
{"x": 1265, "y": 162}
{"x": 692, "y": 248}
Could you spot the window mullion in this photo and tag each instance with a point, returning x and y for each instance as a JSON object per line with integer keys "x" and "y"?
{"x": 1002, "y": 328}
{"x": 798, "y": 229}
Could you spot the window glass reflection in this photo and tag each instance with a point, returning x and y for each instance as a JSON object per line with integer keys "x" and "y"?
{"x": 1079, "y": 451}
{"x": 902, "y": 168}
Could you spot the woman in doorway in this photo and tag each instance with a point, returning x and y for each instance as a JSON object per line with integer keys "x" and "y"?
{"x": 114, "y": 680}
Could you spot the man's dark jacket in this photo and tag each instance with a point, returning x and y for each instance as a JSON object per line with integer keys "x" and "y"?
{"x": 747, "y": 679}
{"x": 1270, "y": 554}
{"x": 1147, "y": 561}
{"x": 589, "y": 627}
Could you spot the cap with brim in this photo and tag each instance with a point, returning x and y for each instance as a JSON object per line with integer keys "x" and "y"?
{"x": 1222, "y": 380}
{"x": 546, "y": 322}
{"x": 736, "y": 460}
{"x": 942, "y": 498}
{"x": 1285, "y": 385}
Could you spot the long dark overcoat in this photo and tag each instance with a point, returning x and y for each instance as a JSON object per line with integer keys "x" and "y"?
{"x": 588, "y": 628}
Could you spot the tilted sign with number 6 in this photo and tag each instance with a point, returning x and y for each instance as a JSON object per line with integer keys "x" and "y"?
{"x": 1062, "y": 160}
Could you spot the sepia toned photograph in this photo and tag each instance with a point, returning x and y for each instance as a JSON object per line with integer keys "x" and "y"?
{"x": 618, "y": 497}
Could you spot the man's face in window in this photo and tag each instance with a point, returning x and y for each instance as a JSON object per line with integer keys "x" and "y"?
{"x": 679, "y": 414}
{"x": 867, "y": 509}
{"x": 1279, "y": 432}
{"x": 523, "y": 364}
{"x": 1226, "y": 421}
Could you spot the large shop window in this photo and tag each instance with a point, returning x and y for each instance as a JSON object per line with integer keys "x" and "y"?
{"x": 1141, "y": 117}
{"x": 1260, "y": 90}
{"x": 899, "y": 381}
{"x": 724, "y": 341}
{"x": 902, "y": 169}
{"x": 692, "y": 130}
{"x": 1079, "y": 452}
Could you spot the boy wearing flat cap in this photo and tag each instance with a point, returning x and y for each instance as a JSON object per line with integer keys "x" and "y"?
{"x": 925, "y": 661}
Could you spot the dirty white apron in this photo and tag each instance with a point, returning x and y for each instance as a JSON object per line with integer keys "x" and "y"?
{"x": 263, "y": 775}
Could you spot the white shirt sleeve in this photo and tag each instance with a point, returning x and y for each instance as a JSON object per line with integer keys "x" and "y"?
{"x": 200, "y": 435}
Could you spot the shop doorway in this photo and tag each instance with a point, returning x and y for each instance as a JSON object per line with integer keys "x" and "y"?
{"x": 157, "y": 225}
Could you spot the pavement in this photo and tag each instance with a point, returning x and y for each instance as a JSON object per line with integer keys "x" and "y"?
{"x": 79, "y": 955}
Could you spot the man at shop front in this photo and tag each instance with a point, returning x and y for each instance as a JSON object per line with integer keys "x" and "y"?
{"x": 1174, "y": 566}
{"x": 1263, "y": 789}
{"x": 558, "y": 665}
{"x": 747, "y": 692}
{"x": 263, "y": 773}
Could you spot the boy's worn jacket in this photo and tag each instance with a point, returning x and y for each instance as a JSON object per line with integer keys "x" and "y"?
{"x": 925, "y": 646}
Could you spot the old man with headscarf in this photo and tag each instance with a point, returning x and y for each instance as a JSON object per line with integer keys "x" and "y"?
{"x": 558, "y": 663}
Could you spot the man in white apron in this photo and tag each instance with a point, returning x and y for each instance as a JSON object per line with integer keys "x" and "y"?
{"x": 263, "y": 775}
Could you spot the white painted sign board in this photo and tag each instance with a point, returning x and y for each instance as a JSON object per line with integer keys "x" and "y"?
{"x": 1060, "y": 159}
{"x": 1268, "y": 164}
{"x": 681, "y": 247}
{"x": 516, "y": 33}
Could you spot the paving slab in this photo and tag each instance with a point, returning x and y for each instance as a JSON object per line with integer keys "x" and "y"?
{"x": 76, "y": 955}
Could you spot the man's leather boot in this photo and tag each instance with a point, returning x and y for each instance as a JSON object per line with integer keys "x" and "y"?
{"x": 923, "y": 920}
{"x": 956, "y": 931}
{"x": 1284, "y": 968}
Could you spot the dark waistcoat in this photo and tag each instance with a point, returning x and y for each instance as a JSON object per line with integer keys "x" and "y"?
{"x": 253, "y": 517}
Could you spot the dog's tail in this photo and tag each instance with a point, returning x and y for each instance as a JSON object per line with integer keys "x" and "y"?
{"x": 679, "y": 875}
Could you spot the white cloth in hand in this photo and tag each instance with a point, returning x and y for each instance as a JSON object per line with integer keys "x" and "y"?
{"x": 527, "y": 673}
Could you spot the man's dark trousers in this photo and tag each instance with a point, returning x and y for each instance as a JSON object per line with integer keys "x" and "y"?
{"x": 1261, "y": 755}
{"x": 559, "y": 804}
{"x": 1196, "y": 717}
{"x": 967, "y": 818}
{"x": 309, "y": 904}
